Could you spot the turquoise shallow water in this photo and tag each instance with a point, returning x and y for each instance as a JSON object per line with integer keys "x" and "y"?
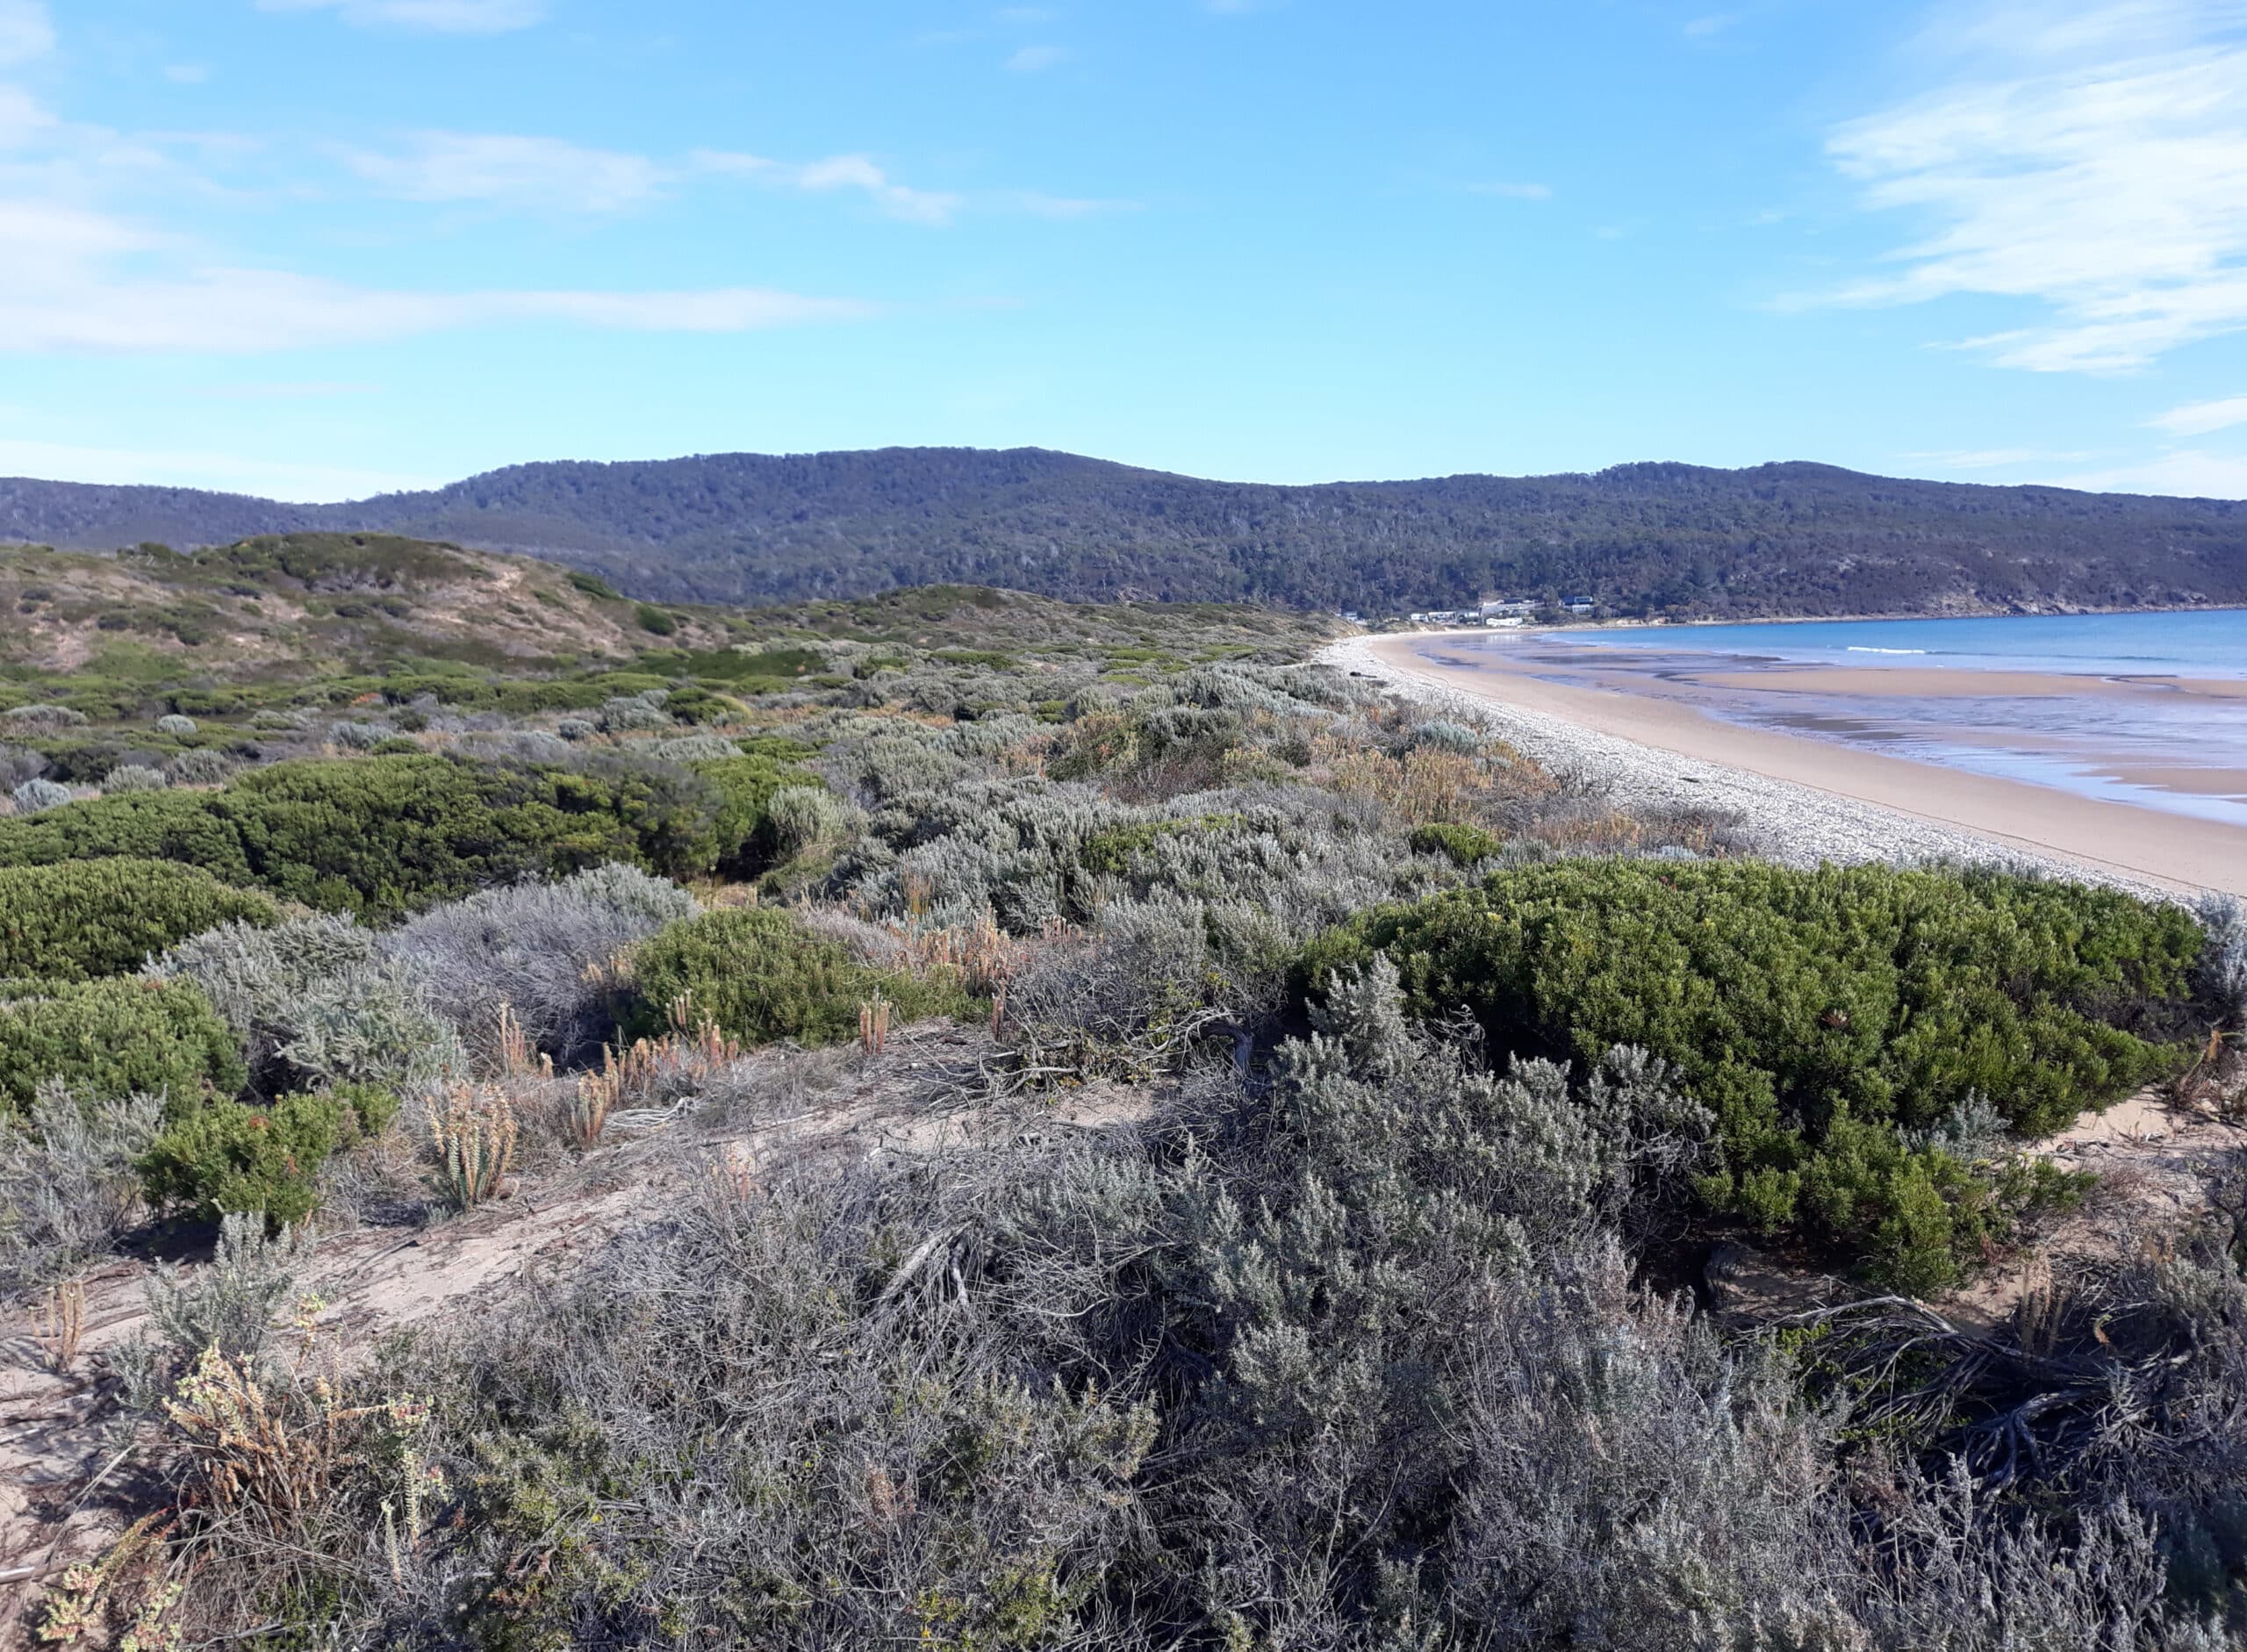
{"x": 2202, "y": 643}
{"x": 2150, "y": 743}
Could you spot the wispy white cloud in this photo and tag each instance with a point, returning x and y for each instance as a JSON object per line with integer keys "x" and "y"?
{"x": 2188, "y": 472}
{"x": 106, "y": 282}
{"x": 2055, "y": 30}
{"x": 2090, "y": 159}
{"x": 1061, "y": 208}
{"x": 837, "y": 172}
{"x": 434, "y": 17}
{"x": 540, "y": 172}
{"x": 1513, "y": 191}
{"x": 186, "y": 74}
{"x": 65, "y": 462}
{"x": 26, "y": 32}
{"x": 548, "y": 173}
{"x": 1032, "y": 59}
{"x": 1715, "y": 23}
{"x": 1991, "y": 458}
{"x": 2200, "y": 417}
{"x": 22, "y": 118}
{"x": 223, "y": 311}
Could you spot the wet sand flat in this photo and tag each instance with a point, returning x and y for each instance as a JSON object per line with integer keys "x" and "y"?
{"x": 1873, "y": 682}
{"x": 2176, "y": 851}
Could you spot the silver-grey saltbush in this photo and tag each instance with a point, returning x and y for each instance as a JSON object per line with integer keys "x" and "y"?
{"x": 314, "y": 1002}
{"x": 35, "y": 795}
{"x": 535, "y": 946}
{"x": 133, "y": 777}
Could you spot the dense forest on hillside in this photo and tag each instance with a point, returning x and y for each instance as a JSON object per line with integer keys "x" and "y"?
{"x": 1778, "y": 539}
{"x": 954, "y": 1119}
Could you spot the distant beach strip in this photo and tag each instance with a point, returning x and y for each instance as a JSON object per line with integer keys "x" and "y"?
{"x": 1796, "y": 799}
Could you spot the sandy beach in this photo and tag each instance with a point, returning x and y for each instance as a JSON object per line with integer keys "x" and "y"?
{"x": 1805, "y": 799}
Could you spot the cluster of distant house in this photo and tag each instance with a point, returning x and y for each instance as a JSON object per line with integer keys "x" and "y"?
{"x": 1502, "y": 612}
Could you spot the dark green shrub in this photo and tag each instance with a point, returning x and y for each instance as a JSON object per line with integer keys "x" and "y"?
{"x": 387, "y": 835}
{"x": 768, "y": 669}
{"x": 746, "y": 843}
{"x": 114, "y": 1038}
{"x": 185, "y": 827}
{"x": 1465, "y": 845}
{"x": 984, "y": 656}
{"x": 1816, "y": 1013}
{"x": 593, "y": 585}
{"x": 1112, "y": 850}
{"x": 371, "y": 1107}
{"x": 225, "y": 1158}
{"x": 206, "y": 703}
{"x": 701, "y": 706}
{"x": 652, "y": 618}
{"x": 761, "y": 977}
{"x": 85, "y": 918}
{"x": 776, "y": 747}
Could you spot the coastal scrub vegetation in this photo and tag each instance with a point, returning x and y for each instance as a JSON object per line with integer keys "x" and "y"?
{"x": 88, "y": 918}
{"x": 1837, "y": 1022}
{"x": 1316, "y": 1128}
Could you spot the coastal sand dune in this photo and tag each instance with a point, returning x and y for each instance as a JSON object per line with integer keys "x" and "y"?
{"x": 1803, "y": 800}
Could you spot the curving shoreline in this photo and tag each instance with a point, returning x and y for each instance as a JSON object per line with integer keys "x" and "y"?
{"x": 1801, "y": 801}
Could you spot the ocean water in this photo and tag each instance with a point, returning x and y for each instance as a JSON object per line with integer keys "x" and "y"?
{"x": 2203, "y": 643}
{"x": 2136, "y": 730}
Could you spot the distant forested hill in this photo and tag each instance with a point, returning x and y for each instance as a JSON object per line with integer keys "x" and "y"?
{"x": 1778, "y": 539}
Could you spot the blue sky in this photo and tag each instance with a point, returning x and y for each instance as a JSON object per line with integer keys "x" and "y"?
{"x": 322, "y": 247}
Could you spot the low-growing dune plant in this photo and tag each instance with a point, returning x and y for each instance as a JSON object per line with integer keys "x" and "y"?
{"x": 627, "y": 713}
{"x": 759, "y": 976}
{"x": 314, "y": 1003}
{"x": 2224, "y": 960}
{"x": 1462, "y": 845}
{"x": 1816, "y": 1013}
{"x": 226, "y": 1157}
{"x": 694, "y": 748}
{"x": 69, "y": 1184}
{"x": 115, "y": 1036}
{"x": 229, "y": 1304}
{"x": 133, "y": 776}
{"x": 472, "y": 1133}
{"x": 41, "y": 718}
{"x": 384, "y": 836}
{"x": 805, "y": 817}
{"x": 36, "y": 796}
{"x": 361, "y": 737}
{"x": 89, "y": 918}
{"x": 59, "y": 1325}
{"x": 18, "y": 764}
{"x": 203, "y": 765}
{"x": 534, "y": 946}
{"x": 591, "y": 1098}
